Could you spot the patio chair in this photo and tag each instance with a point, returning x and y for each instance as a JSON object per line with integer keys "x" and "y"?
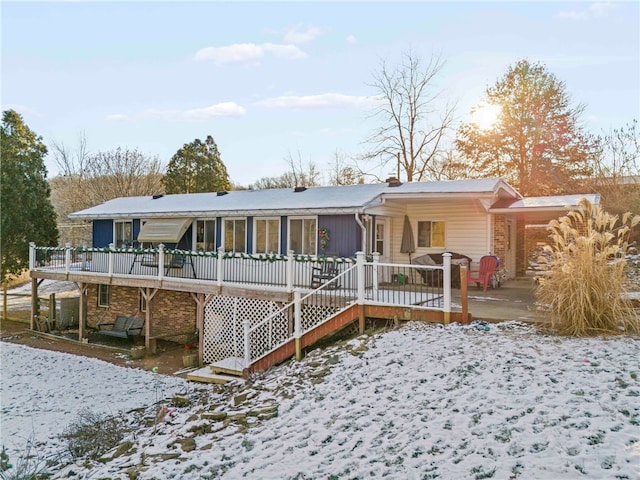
{"x": 483, "y": 276}
{"x": 324, "y": 274}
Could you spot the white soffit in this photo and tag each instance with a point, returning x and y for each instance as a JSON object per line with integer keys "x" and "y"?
{"x": 163, "y": 230}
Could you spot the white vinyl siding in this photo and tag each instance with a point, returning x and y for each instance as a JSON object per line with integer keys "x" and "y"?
{"x": 466, "y": 229}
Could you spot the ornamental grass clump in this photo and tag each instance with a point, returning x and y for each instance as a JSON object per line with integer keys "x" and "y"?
{"x": 584, "y": 282}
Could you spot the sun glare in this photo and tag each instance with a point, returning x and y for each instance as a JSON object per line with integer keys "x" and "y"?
{"x": 485, "y": 115}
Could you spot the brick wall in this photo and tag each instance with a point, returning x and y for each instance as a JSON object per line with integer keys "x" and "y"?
{"x": 171, "y": 312}
{"x": 500, "y": 237}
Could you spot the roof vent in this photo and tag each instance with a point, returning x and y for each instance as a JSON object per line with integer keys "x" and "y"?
{"x": 222, "y": 193}
{"x": 299, "y": 189}
{"x": 393, "y": 182}
{"x": 155, "y": 197}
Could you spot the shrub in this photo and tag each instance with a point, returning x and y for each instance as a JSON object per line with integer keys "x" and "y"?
{"x": 92, "y": 434}
{"x": 584, "y": 279}
{"x": 28, "y": 466}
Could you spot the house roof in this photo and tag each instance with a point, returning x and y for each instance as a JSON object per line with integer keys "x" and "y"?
{"x": 288, "y": 201}
{"x": 558, "y": 203}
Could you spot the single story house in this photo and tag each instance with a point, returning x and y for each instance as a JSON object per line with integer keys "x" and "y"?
{"x": 399, "y": 222}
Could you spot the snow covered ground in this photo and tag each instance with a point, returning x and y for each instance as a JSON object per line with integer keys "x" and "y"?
{"x": 421, "y": 401}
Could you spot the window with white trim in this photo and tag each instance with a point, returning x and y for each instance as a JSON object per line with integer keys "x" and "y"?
{"x": 123, "y": 234}
{"x": 103, "y": 295}
{"x": 205, "y": 238}
{"x": 430, "y": 234}
{"x": 267, "y": 235}
{"x": 303, "y": 233}
{"x": 380, "y": 238}
{"x": 235, "y": 235}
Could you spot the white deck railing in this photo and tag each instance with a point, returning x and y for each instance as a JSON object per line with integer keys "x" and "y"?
{"x": 358, "y": 281}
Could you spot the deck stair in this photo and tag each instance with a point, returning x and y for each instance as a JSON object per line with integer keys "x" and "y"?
{"x": 223, "y": 371}
{"x": 228, "y": 366}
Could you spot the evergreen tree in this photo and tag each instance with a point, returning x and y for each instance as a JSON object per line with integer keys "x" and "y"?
{"x": 197, "y": 167}
{"x": 26, "y": 211}
{"x": 536, "y": 142}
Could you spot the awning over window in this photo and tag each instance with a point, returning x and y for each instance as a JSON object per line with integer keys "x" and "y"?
{"x": 164, "y": 230}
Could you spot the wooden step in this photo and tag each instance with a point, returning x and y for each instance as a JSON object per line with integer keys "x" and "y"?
{"x": 205, "y": 375}
{"x": 229, "y": 366}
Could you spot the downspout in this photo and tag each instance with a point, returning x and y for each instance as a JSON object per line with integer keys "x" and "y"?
{"x": 363, "y": 245}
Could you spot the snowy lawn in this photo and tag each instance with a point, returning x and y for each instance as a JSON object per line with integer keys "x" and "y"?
{"x": 421, "y": 401}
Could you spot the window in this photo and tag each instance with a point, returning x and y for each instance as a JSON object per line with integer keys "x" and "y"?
{"x": 123, "y": 234}
{"x": 302, "y": 235}
{"x": 380, "y": 238}
{"x": 205, "y": 235}
{"x": 234, "y": 235}
{"x": 103, "y": 295}
{"x": 267, "y": 235}
{"x": 430, "y": 234}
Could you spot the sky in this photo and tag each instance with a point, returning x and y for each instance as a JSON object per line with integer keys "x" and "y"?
{"x": 420, "y": 401}
{"x": 270, "y": 81}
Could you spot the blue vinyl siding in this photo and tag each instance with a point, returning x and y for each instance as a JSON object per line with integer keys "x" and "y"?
{"x": 219, "y": 241}
{"x": 102, "y": 233}
{"x": 345, "y": 235}
{"x": 136, "y": 230}
{"x": 249, "y": 235}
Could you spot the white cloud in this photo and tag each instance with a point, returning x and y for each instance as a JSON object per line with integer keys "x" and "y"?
{"x": 595, "y": 10}
{"x": 220, "y": 110}
{"x": 248, "y": 53}
{"x": 325, "y": 100}
{"x": 295, "y": 35}
{"x": 352, "y": 40}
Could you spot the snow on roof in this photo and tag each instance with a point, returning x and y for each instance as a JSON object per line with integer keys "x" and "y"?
{"x": 557, "y": 202}
{"x": 343, "y": 199}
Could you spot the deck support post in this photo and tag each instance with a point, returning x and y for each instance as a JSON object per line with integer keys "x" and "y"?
{"x": 34, "y": 302}
{"x": 82, "y": 314}
{"x": 376, "y": 282}
{"x": 247, "y": 343}
{"x": 219, "y": 266}
{"x": 161, "y": 260}
{"x": 360, "y": 274}
{"x": 464, "y": 294}
{"x": 67, "y": 258}
{"x": 297, "y": 328}
{"x": 32, "y": 255}
{"x": 110, "y": 260}
{"x": 446, "y": 284}
{"x": 289, "y": 274}
{"x": 150, "y": 344}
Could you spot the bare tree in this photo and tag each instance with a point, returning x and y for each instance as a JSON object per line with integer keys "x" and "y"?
{"x": 449, "y": 166}
{"x": 87, "y": 179}
{"x": 414, "y": 120}
{"x": 616, "y": 171}
{"x": 342, "y": 173}
{"x": 299, "y": 175}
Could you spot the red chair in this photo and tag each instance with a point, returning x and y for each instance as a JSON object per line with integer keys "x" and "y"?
{"x": 488, "y": 266}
